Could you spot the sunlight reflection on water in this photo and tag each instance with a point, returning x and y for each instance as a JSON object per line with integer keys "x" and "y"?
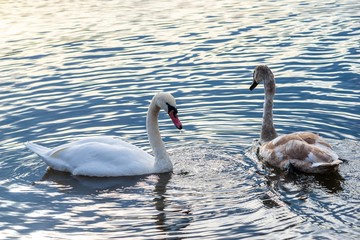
{"x": 72, "y": 69}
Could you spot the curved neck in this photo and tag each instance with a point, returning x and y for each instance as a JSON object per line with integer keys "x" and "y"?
{"x": 268, "y": 131}
{"x": 162, "y": 160}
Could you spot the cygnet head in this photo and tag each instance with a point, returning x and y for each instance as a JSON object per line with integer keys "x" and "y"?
{"x": 261, "y": 72}
{"x": 167, "y": 102}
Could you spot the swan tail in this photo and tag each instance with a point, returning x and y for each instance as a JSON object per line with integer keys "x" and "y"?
{"x": 45, "y": 154}
{"x": 38, "y": 149}
{"x": 324, "y": 164}
{"x": 323, "y": 167}
{"x": 315, "y": 167}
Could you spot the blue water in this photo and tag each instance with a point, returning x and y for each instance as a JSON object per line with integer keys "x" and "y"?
{"x": 71, "y": 69}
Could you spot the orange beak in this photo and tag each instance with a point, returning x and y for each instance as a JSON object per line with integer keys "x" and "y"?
{"x": 175, "y": 119}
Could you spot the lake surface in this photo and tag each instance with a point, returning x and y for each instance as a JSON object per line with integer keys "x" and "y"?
{"x": 71, "y": 69}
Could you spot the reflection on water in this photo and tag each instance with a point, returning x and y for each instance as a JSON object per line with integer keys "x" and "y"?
{"x": 168, "y": 217}
{"x": 71, "y": 69}
{"x": 165, "y": 220}
{"x": 88, "y": 185}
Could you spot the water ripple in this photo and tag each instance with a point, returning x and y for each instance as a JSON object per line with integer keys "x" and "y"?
{"x": 72, "y": 69}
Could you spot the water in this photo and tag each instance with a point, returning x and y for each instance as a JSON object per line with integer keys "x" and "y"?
{"x": 71, "y": 69}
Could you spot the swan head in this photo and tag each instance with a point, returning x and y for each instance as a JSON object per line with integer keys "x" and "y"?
{"x": 167, "y": 102}
{"x": 261, "y": 73}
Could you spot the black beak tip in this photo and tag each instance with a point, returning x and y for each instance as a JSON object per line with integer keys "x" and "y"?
{"x": 253, "y": 86}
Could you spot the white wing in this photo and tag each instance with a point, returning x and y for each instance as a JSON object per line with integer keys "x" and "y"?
{"x": 97, "y": 156}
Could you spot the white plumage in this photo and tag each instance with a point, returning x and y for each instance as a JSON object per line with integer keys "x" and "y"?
{"x": 107, "y": 156}
{"x": 103, "y": 156}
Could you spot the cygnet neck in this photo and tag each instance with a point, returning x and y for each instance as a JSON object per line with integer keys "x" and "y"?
{"x": 268, "y": 131}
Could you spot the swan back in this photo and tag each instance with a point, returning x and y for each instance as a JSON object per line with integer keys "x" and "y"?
{"x": 305, "y": 151}
{"x": 102, "y": 156}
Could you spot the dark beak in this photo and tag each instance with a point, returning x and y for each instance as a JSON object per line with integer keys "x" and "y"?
{"x": 253, "y": 85}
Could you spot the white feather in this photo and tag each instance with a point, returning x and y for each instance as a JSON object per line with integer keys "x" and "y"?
{"x": 107, "y": 156}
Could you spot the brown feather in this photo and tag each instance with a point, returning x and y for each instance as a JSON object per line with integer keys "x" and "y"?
{"x": 301, "y": 150}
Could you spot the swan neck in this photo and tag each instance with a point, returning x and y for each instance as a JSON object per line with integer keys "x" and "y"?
{"x": 268, "y": 131}
{"x": 162, "y": 160}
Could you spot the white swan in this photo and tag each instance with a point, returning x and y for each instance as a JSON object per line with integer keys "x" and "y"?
{"x": 107, "y": 156}
{"x": 302, "y": 151}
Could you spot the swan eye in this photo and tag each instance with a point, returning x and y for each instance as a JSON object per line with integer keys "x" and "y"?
{"x": 171, "y": 108}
